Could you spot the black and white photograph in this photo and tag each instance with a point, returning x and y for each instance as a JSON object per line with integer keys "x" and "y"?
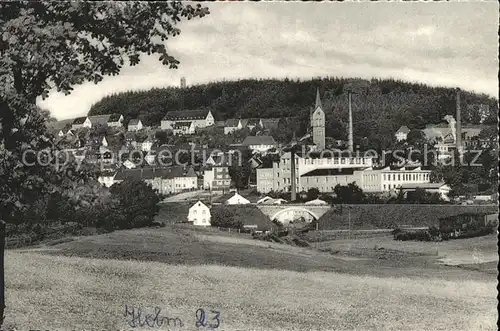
{"x": 249, "y": 165}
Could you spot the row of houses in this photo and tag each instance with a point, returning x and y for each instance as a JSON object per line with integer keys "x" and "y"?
{"x": 183, "y": 122}
{"x": 167, "y": 180}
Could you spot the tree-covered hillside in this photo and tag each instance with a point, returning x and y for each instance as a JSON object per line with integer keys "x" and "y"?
{"x": 380, "y": 107}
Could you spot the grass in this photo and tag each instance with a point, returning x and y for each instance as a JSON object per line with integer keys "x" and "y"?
{"x": 84, "y": 284}
{"x": 389, "y": 216}
{"x": 69, "y": 293}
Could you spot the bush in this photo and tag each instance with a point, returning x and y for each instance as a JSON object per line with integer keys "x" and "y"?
{"x": 136, "y": 204}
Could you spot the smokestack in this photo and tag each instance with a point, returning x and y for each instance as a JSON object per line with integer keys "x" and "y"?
{"x": 351, "y": 143}
{"x": 183, "y": 82}
{"x": 459, "y": 124}
{"x": 292, "y": 174}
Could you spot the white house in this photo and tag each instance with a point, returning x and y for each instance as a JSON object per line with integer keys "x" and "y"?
{"x": 232, "y": 124}
{"x": 199, "y": 214}
{"x": 135, "y": 124}
{"x": 259, "y": 143}
{"x": 81, "y": 122}
{"x": 115, "y": 120}
{"x": 402, "y": 133}
{"x": 199, "y": 118}
{"x": 107, "y": 178}
{"x": 237, "y": 199}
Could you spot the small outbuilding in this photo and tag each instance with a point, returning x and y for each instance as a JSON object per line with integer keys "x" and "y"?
{"x": 237, "y": 199}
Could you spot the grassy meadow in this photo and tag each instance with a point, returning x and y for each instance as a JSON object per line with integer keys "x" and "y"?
{"x": 255, "y": 285}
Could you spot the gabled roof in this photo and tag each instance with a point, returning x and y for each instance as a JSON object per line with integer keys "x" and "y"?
{"x": 186, "y": 115}
{"x": 99, "y": 119}
{"x": 259, "y": 140}
{"x": 134, "y": 121}
{"x": 253, "y": 121}
{"x": 270, "y": 123}
{"x": 232, "y": 122}
{"x": 220, "y": 123}
{"x": 403, "y": 129}
{"x": 114, "y": 118}
{"x": 79, "y": 120}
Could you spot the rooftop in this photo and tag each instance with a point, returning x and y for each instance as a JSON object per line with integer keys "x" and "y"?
{"x": 186, "y": 115}
{"x": 258, "y": 140}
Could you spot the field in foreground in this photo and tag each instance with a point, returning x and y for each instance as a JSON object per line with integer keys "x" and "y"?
{"x": 89, "y": 287}
{"x": 63, "y": 293}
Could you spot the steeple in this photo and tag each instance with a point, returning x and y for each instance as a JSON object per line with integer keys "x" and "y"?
{"x": 318, "y": 100}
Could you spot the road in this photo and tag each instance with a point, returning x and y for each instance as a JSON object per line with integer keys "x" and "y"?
{"x": 187, "y": 196}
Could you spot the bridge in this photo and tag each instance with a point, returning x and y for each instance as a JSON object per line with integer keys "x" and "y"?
{"x": 293, "y": 211}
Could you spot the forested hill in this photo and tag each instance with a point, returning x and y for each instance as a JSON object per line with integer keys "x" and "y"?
{"x": 380, "y": 105}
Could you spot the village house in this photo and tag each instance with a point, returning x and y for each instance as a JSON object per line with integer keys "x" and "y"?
{"x": 115, "y": 121}
{"x": 183, "y": 128}
{"x": 81, "y": 122}
{"x": 237, "y": 199}
{"x": 217, "y": 178}
{"x": 402, "y": 133}
{"x": 107, "y": 178}
{"x": 233, "y": 124}
{"x": 198, "y": 119}
{"x": 259, "y": 143}
{"x": 65, "y": 132}
{"x": 165, "y": 180}
{"x": 199, "y": 214}
{"x": 135, "y": 124}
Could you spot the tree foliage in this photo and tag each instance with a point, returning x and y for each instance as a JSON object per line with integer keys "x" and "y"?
{"x": 52, "y": 46}
{"x": 350, "y": 193}
{"x": 136, "y": 201}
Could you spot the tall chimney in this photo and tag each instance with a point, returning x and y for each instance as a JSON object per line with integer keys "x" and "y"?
{"x": 183, "y": 82}
{"x": 459, "y": 124}
{"x": 293, "y": 196}
{"x": 351, "y": 143}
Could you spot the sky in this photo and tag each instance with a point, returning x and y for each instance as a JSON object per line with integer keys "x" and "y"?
{"x": 451, "y": 44}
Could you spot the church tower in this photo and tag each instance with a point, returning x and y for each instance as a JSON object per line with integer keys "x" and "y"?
{"x": 318, "y": 123}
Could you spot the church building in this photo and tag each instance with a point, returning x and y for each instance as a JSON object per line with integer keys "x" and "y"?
{"x": 318, "y": 123}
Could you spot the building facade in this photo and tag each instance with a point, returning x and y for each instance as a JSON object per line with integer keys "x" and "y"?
{"x": 199, "y": 214}
{"x": 134, "y": 125}
{"x": 217, "y": 179}
{"x": 199, "y": 119}
{"x": 325, "y": 173}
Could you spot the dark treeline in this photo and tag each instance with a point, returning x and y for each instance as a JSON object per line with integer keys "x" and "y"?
{"x": 380, "y": 107}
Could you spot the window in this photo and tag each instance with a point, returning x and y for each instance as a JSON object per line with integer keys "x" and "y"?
{"x": 384, "y": 186}
{"x": 399, "y": 177}
{"x": 203, "y": 212}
